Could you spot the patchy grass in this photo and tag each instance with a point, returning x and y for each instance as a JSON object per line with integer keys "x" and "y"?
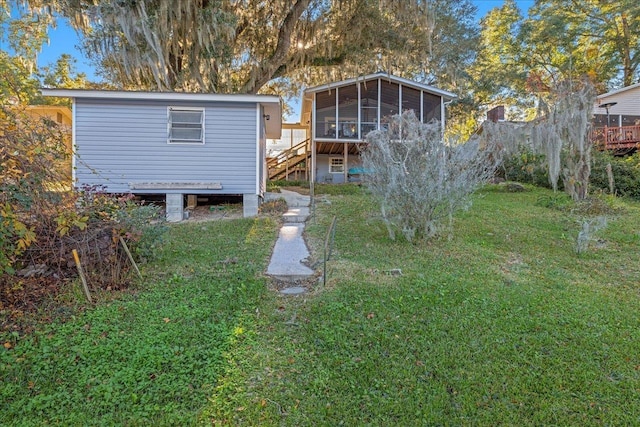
{"x": 152, "y": 358}
{"x": 502, "y": 324}
{"x": 339, "y": 189}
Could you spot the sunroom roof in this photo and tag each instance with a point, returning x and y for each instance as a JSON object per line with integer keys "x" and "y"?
{"x": 381, "y": 75}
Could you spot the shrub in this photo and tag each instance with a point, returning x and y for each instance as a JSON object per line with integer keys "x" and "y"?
{"x": 418, "y": 178}
{"x": 525, "y": 167}
{"x": 274, "y": 207}
{"x": 142, "y": 226}
{"x": 588, "y": 229}
{"x": 42, "y": 219}
{"x": 32, "y": 183}
{"x": 625, "y": 170}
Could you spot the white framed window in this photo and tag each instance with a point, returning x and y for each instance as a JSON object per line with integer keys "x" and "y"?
{"x": 185, "y": 125}
{"x": 336, "y": 165}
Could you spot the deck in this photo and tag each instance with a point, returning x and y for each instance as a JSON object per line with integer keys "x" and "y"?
{"x": 618, "y": 139}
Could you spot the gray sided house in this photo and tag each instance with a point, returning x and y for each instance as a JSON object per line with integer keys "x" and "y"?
{"x": 616, "y": 120}
{"x": 339, "y": 116}
{"x": 171, "y": 143}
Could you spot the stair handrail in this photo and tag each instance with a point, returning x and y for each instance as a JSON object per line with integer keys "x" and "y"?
{"x": 289, "y": 153}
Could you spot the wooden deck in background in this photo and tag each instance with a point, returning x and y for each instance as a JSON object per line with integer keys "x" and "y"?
{"x": 618, "y": 139}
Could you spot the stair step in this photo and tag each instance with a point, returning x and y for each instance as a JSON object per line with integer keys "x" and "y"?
{"x": 289, "y": 161}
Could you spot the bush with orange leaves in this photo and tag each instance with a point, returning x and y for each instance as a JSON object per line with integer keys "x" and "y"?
{"x": 42, "y": 217}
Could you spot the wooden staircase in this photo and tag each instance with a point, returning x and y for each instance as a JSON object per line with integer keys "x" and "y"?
{"x": 292, "y": 162}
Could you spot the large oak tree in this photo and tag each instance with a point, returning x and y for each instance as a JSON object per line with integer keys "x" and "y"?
{"x": 240, "y": 45}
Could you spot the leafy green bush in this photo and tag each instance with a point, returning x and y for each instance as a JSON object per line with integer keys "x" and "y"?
{"x": 525, "y": 167}
{"x": 625, "y": 170}
{"x": 143, "y": 226}
{"x": 31, "y": 181}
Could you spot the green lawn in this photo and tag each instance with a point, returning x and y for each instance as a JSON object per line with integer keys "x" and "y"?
{"x": 501, "y": 324}
{"x": 151, "y": 358}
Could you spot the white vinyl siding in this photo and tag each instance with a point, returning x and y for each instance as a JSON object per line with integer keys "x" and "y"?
{"x": 186, "y": 126}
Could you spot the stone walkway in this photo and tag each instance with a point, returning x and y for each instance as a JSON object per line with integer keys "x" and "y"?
{"x": 290, "y": 250}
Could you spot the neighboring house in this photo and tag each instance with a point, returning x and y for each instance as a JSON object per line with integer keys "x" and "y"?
{"x": 617, "y": 119}
{"x": 60, "y": 115}
{"x": 284, "y": 155}
{"x": 175, "y": 144}
{"x": 292, "y": 135}
{"x": 339, "y": 116}
{"x": 56, "y": 113}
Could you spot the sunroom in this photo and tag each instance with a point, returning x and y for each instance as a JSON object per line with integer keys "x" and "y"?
{"x": 341, "y": 114}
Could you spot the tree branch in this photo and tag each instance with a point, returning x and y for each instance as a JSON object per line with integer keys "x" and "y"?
{"x": 318, "y": 61}
{"x": 262, "y": 74}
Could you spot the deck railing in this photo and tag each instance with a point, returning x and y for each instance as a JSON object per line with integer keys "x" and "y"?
{"x": 617, "y": 138}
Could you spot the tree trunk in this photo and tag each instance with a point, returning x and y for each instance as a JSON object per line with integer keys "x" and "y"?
{"x": 627, "y": 68}
{"x": 262, "y": 74}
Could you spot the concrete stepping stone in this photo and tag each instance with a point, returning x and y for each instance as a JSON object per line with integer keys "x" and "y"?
{"x": 294, "y": 290}
{"x": 289, "y": 253}
{"x": 290, "y": 250}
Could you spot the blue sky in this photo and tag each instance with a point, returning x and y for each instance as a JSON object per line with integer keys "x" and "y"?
{"x": 63, "y": 39}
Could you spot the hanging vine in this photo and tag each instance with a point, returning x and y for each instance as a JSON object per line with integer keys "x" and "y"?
{"x": 561, "y": 135}
{"x": 240, "y": 45}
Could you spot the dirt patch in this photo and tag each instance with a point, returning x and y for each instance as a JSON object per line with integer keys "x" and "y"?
{"x": 215, "y": 212}
{"x": 310, "y": 283}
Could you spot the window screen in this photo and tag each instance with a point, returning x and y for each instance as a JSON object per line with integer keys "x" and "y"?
{"x": 326, "y": 114}
{"x": 186, "y": 126}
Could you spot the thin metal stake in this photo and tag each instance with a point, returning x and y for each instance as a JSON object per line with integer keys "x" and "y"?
{"x": 324, "y": 267}
{"x": 328, "y": 247}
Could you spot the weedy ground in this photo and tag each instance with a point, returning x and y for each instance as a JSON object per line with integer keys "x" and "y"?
{"x": 502, "y": 322}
